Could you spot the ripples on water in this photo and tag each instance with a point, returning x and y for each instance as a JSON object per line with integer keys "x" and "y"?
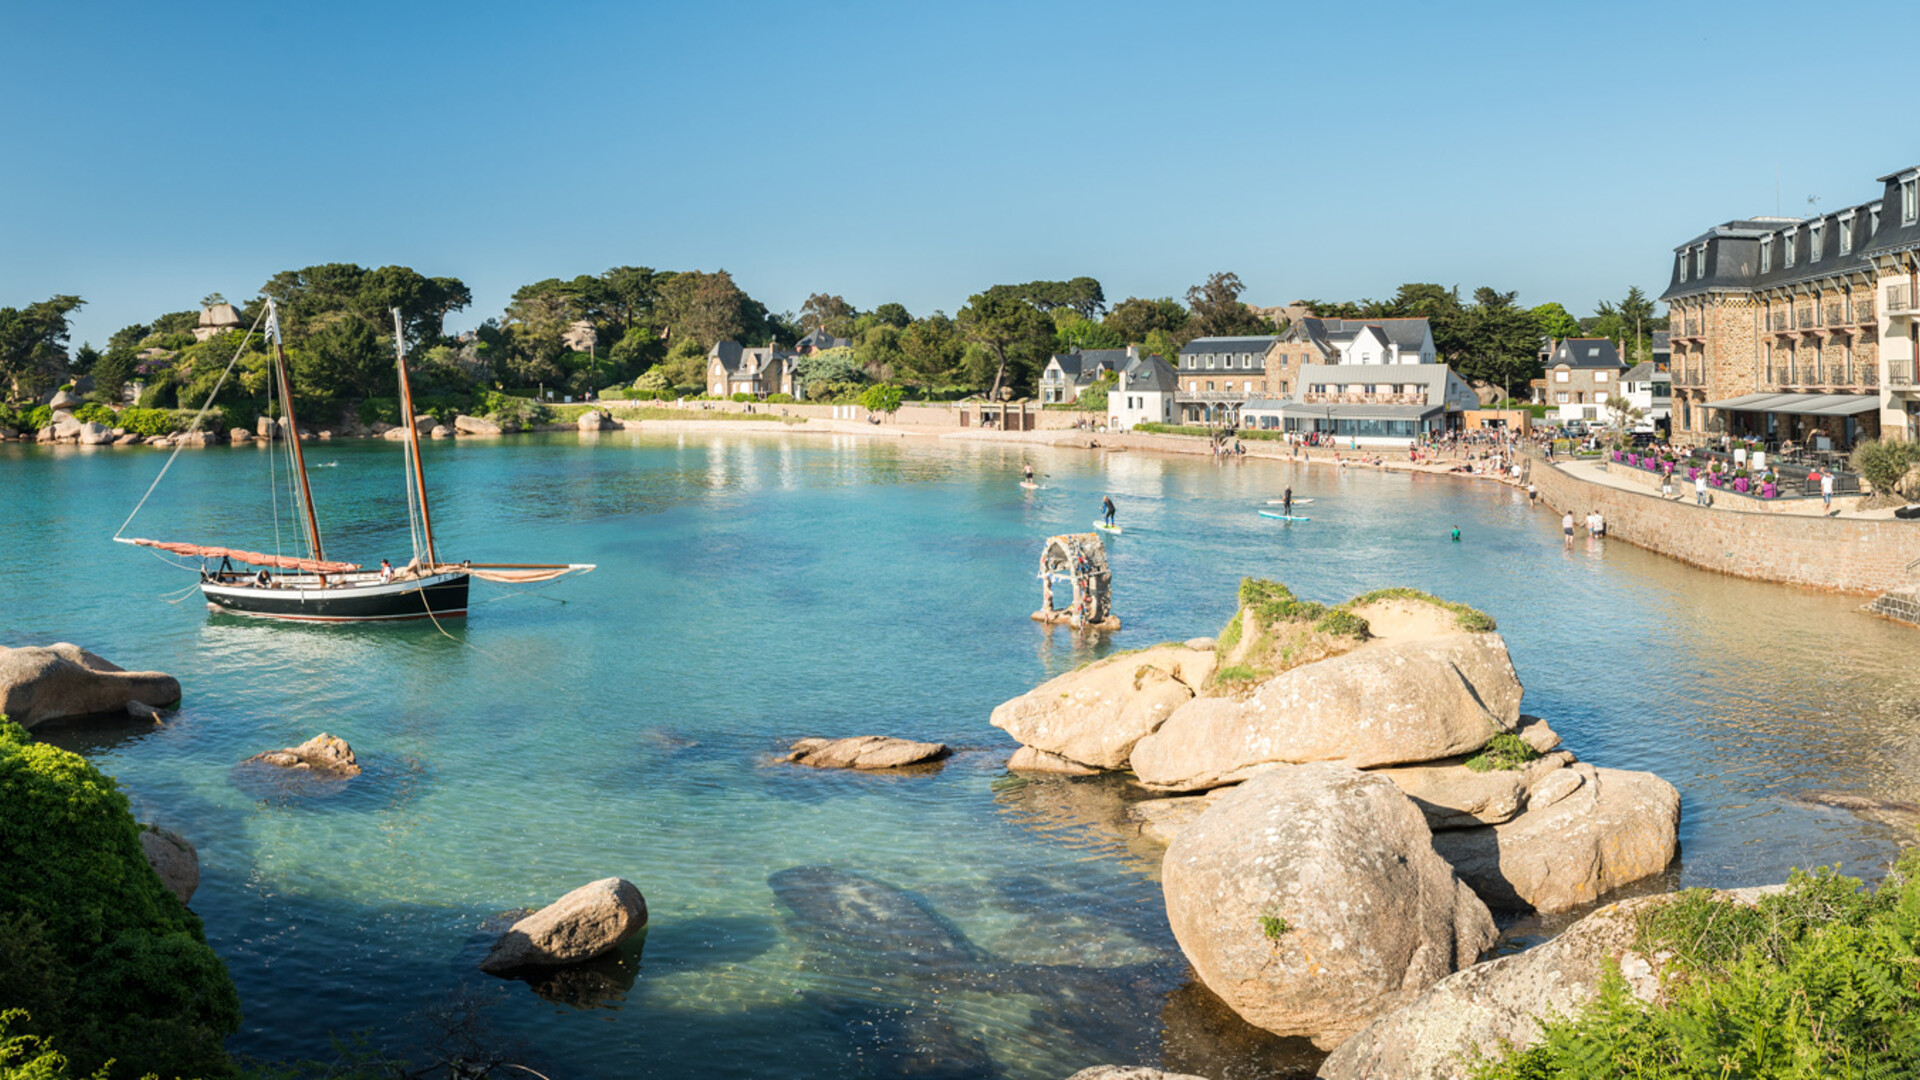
{"x": 757, "y": 588}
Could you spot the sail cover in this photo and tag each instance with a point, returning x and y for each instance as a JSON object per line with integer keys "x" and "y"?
{"x": 528, "y": 575}
{"x": 252, "y": 558}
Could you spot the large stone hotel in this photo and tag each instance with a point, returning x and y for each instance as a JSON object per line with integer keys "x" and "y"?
{"x": 1801, "y": 330}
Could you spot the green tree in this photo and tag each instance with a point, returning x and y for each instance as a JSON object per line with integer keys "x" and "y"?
{"x": 894, "y": 315}
{"x": 932, "y": 348}
{"x": 343, "y": 360}
{"x": 1017, "y": 335}
{"x": 827, "y": 314}
{"x": 706, "y": 308}
{"x": 33, "y": 343}
{"x": 1133, "y": 319}
{"x": 1631, "y": 322}
{"x": 1083, "y": 295}
{"x": 1494, "y": 340}
{"x": 685, "y": 365}
{"x": 631, "y": 292}
{"x": 881, "y": 398}
{"x": 1217, "y": 311}
{"x": 881, "y": 351}
{"x": 829, "y": 366}
{"x": 1073, "y": 332}
{"x": 1555, "y": 322}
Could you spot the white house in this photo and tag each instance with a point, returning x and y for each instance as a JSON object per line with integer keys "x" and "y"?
{"x": 1650, "y": 390}
{"x": 1066, "y": 374}
{"x": 1367, "y": 341}
{"x": 1144, "y": 394}
{"x": 1367, "y": 404}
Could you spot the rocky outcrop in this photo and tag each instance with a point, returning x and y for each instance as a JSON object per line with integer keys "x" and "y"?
{"x": 1454, "y": 796}
{"x": 1028, "y": 759}
{"x": 590, "y": 921}
{"x": 594, "y": 420}
{"x": 323, "y": 754}
{"x": 1435, "y": 1036}
{"x": 395, "y": 434}
{"x": 1097, "y": 714}
{"x": 1585, "y": 832}
{"x": 864, "y": 752}
{"x": 195, "y": 438}
{"x": 239, "y": 436}
{"x": 1310, "y": 900}
{"x": 92, "y": 434}
{"x": 475, "y": 425}
{"x": 1161, "y": 820}
{"x": 52, "y": 682}
{"x": 173, "y": 859}
{"x": 1388, "y": 702}
{"x": 66, "y": 401}
{"x": 440, "y": 431}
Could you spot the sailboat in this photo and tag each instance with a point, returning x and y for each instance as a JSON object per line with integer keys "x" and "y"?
{"x": 313, "y": 588}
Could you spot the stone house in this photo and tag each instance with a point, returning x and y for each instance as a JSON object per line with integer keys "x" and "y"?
{"x": 733, "y": 368}
{"x": 819, "y": 341}
{"x": 1220, "y": 374}
{"x": 1582, "y": 377}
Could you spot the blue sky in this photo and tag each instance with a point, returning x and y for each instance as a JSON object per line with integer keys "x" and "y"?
{"x": 913, "y": 152}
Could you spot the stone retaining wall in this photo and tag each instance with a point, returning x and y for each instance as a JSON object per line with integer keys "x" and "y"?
{"x": 1843, "y": 554}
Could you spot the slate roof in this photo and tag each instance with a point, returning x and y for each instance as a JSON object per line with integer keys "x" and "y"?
{"x": 1148, "y": 374}
{"x": 1069, "y": 364}
{"x": 1662, "y": 342}
{"x": 731, "y": 353}
{"x": 820, "y": 339}
{"x": 1254, "y": 345}
{"x": 1585, "y": 353}
{"x": 1893, "y": 235}
{"x": 1644, "y": 371}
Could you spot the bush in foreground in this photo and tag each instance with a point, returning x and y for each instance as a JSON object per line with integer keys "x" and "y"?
{"x": 106, "y": 963}
{"x": 1821, "y": 980}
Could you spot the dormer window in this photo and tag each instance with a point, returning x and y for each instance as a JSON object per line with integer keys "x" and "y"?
{"x": 1700, "y": 261}
{"x": 1910, "y": 199}
{"x": 1846, "y": 233}
{"x": 1766, "y": 254}
{"x": 1815, "y": 234}
{"x": 1685, "y": 258}
{"x": 1209, "y": 361}
{"x": 1873, "y": 220}
{"x": 1787, "y": 244}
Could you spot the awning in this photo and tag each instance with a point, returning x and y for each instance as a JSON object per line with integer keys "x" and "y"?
{"x": 1801, "y": 404}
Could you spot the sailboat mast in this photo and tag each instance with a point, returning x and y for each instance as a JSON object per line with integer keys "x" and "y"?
{"x": 413, "y": 435}
{"x": 293, "y": 431}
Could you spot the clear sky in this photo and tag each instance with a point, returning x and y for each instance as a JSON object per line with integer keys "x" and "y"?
{"x": 918, "y": 152}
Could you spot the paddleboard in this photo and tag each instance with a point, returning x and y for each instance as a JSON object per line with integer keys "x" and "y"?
{"x": 1283, "y": 517}
{"x": 1029, "y": 485}
{"x": 1283, "y": 502}
{"x": 1108, "y": 528}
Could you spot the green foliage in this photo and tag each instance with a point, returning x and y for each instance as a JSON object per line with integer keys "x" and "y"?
{"x": 743, "y": 396}
{"x": 1340, "y": 622}
{"x": 30, "y": 1057}
{"x": 161, "y": 392}
{"x": 780, "y": 399}
{"x": 1505, "y": 751}
{"x": 94, "y": 413}
{"x": 1093, "y": 398}
{"x": 655, "y": 381}
{"x": 379, "y": 410}
{"x": 881, "y": 398}
{"x": 151, "y": 422}
{"x": 502, "y": 408}
{"x": 1884, "y": 461}
{"x": 1820, "y": 980}
{"x": 124, "y": 970}
{"x": 1238, "y": 674}
{"x": 1230, "y": 634}
{"x": 1274, "y": 602}
{"x": 33, "y": 343}
{"x": 1012, "y": 332}
{"x": 1469, "y": 619}
{"x": 1216, "y": 310}
{"x": 1273, "y": 925}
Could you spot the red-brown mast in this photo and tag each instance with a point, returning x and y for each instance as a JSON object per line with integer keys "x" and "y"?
{"x": 293, "y": 430}
{"x": 413, "y": 435}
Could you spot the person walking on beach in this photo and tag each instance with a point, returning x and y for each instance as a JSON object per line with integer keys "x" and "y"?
{"x": 1106, "y": 509}
{"x": 1566, "y": 527}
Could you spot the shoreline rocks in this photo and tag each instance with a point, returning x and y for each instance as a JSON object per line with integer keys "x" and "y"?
{"x": 1096, "y": 715}
{"x": 173, "y": 859}
{"x": 1310, "y": 900}
{"x": 590, "y": 921}
{"x": 864, "y": 752}
{"x": 323, "y": 754}
{"x": 60, "y": 681}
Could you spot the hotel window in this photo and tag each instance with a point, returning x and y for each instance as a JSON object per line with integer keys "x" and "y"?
{"x": 1846, "y": 234}
{"x": 1815, "y": 234}
{"x": 1910, "y": 199}
{"x": 1700, "y": 261}
{"x": 1561, "y": 397}
{"x": 1873, "y": 220}
{"x": 1209, "y": 361}
{"x": 1685, "y": 259}
{"x": 1766, "y": 254}
{"x": 1209, "y": 384}
{"x": 1788, "y": 241}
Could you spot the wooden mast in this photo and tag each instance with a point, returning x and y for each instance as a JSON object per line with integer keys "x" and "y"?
{"x": 293, "y": 430}
{"x": 413, "y": 436}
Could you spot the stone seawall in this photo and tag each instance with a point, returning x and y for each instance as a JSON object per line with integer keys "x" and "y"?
{"x": 1842, "y": 554}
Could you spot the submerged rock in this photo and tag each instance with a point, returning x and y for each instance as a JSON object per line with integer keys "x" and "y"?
{"x": 53, "y": 682}
{"x": 1435, "y": 1036}
{"x": 1129, "y": 1072}
{"x": 1310, "y": 900}
{"x": 590, "y": 921}
{"x": 1161, "y": 820}
{"x": 173, "y": 859}
{"x": 1028, "y": 759}
{"x": 1388, "y": 702}
{"x": 864, "y": 752}
{"x": 1096, "y": 714}
{"x": 1586, "y": 832}
{"x": 323, "y": 753}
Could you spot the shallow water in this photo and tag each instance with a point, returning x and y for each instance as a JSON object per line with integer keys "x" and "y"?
{"x": 757, "y": 588}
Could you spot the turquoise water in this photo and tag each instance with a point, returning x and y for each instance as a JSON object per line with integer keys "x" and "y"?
{"x": 756, "y": 588}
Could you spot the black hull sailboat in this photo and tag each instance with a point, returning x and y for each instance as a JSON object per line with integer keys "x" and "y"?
{"x": 311, "y": 588}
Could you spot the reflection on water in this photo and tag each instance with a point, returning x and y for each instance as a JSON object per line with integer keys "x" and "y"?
{"x": 755, "y": 589}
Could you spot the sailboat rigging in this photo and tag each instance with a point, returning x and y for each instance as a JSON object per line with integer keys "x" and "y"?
{"x": 313, "y": 588}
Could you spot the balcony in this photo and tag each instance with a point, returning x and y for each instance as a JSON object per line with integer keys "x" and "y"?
{"x": 1900, "y": 298}
{"x": 1779, "y": 320}
{"x": 1364, "y": 399}
{"x": 1835, "y": 315}
{"x": 1863, "y": 311}
{"x": 1803, "y": 317}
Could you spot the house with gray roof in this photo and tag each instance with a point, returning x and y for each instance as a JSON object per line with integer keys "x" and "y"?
{"x": 733, "y": 368}
{"x": 819, "y": 340}
{"x": 1066, "y": 374}
{"x": 1649, "y": 389}
{"x": 1367, "y": 341}
{"x": 1143, "y": 394}
{"x": 1219, "y": 374}
{"x": 1367, "y": 404}
{"x": 1582, "y": 376}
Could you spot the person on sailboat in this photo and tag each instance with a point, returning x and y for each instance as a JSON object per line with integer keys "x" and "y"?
{"x": 386, "y": 572}
{"x": 261, "y": 581}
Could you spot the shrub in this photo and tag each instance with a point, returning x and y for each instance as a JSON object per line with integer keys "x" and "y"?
{"x": 151, "y": 422}
{"x": 94, "y": 413}
{"x": 1342, "y": 623}
{"x": 1504, "y": 751}
{"x": 743, "y": 396}
{"x": 1819, "y": 980}
{"x": 780, "y": 399}
{"x": 118, "y": 968}
{"x": 881, "y": 398}
{"x": 36, "y": 418}
{"x": 1884, "y": 461}
{"x": 379, "y": 410}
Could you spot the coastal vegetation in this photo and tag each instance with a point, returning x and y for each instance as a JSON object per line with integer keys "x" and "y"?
{"x": 1821, "y": 979}
{"x": 1884, "y": 463}
{"x": 97, "y": 959}
{"x": 634, "y": 333}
